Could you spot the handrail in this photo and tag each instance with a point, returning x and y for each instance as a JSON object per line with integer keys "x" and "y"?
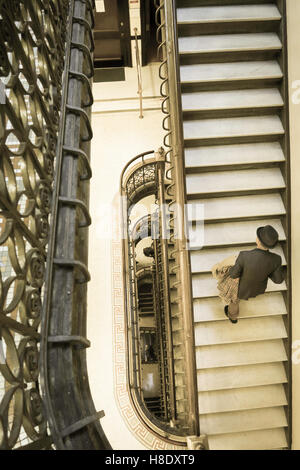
{"x": 73, "y": 419}
{"x": 164, "y": 432}
{"x": 172, "y": 123}
{"x": 134, "y": 164}
{"x": 139, "y": 72}
{"x": 147, "y": 220}
{"x": 25, "y": 224}
{"x": 143, "y": 272}
{"x": 163, "y": 239}
{"x": 130, "y": 294}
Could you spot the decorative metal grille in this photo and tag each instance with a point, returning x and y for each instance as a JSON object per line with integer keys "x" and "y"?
{"x": 184, "y": 356}
{"x": 141, "y": 177}
{"x": 46, "y": 71}
{"x": 32, "y": 48}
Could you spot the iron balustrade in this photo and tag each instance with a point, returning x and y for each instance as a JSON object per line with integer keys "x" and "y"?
{"x": 46, "y": 67}
{"x": 135, "y": 185}
{"x": 32, "y": 45}
{"x": 172, "y": 123}
{"x": 163, "y": 284}
{"x": 73, "y": 420}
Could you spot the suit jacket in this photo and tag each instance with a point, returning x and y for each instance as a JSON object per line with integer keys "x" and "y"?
{"x": 254, "y": 267}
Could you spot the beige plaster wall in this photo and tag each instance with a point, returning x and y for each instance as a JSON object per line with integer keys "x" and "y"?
{"x": 118, "y": 137}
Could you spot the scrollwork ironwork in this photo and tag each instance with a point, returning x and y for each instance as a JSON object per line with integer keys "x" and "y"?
{"x": 140, "y": 179}
{"x": 32, "y": 49}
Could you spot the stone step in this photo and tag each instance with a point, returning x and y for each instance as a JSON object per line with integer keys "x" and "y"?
{"x": 236, "y": 354}
{"x": 267, "y": 439}
{"x": 210, "y": 183}
{"x": 228, "y": 13}
{"x": 226, "y": 156}
{"x": 221, "y": 401}
{"x": 241, "y": 376}
{"x": 241, "y": 421}
{"x": 248, "y": 329}
{"x": 203, "y": 260}
{"x": 223, "y": 3}
{"x": 231, "y": 100}
{"x": 211, "y": 309}
{"x": 227, "y": 234}
{"x": 204, "y": 285}
{"x": 230, "y": 130}
{"x": 229, "y": 42}
{"x": 230, "y": 71}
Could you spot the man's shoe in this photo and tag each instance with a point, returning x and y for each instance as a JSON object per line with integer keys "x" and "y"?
{"x": 227, "y": 315}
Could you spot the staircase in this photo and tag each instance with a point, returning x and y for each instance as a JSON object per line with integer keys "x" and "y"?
{"x": 146, "y": 304}
{"x": 233, "y": 105}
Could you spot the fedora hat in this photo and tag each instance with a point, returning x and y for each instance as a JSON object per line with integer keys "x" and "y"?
{"x": 268, "y": 236}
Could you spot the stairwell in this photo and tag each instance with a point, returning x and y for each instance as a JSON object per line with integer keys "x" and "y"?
{"x": 232, "y": 73}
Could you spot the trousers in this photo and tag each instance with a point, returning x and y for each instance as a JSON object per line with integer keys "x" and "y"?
{"x": 233, "y": 310}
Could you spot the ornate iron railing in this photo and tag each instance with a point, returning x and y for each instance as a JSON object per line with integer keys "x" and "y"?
{"x": 32, "y": 44}
{"x": 184, "y": 348}
{"x": 137, "y": 181}
{"x": 132, "y": 193}
{"x": 161, "y": 244}
{"x": 138, "y": 177}
{"x": 64, "y": 370}
{"x": 46, "y": 68}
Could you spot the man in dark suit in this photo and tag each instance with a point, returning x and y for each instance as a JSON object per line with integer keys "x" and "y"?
{"x": 254, "y": 267}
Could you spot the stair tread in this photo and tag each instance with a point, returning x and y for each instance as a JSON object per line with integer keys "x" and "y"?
{"x": 235, "y": 180}
{"x": 210, "y": 309}
{"x": 221, "y": 401}
{"x": 235, "y": 354}
{"x": 233, "y": 99}
{"x": 217, "y": 155}
{"x": 248, "y": 329}
{"x": 241, "y": 376}
{"x": 228, "y": 13}
{"x": 232, "y": 127}
{"x": 235, "y": 233}
{"x": 266, "y": 439}
{"x": 204, "y": 285}
{"x": 229, "y": 42}
{"x": 243, "y": 421}
{"x": 203, "y": 260}
{"x": 192, "y": 3}
{"x": 230, "y": 71}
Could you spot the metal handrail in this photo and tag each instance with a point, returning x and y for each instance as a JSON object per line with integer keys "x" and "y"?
{"x": 147, "y": 221}
{"x": 172, "y": 123}
{"x": 73, "y": 419}
{"x": 166, "y": 279}
{"x": 133, "y": 164}
{"x": 139, "y": 72}
{"x": 46, "y": 62}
